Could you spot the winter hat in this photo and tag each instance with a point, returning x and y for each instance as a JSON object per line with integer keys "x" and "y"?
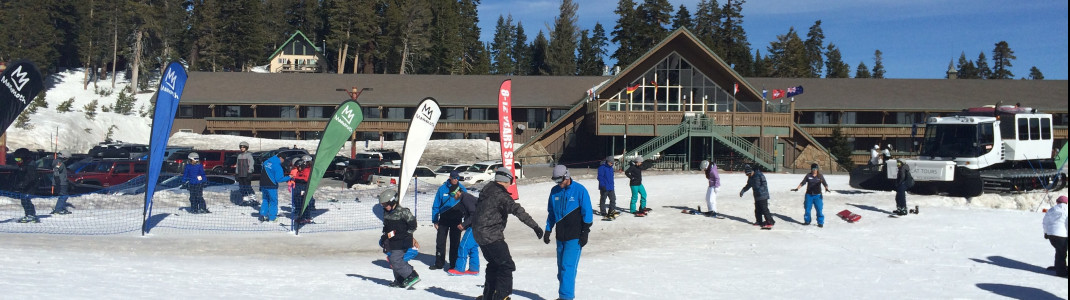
{"x": 609, "y": 160}
{"x": 502, "y": 174}
{"x": 639, "y": 159}
{"x": 748, "y": 169}
{"x": 456, "y": 175}
{"x": 560, "y": 174}
{"x": 813, "y": 166}
{"x": 876, "y": 147}
{"x": 1062, "y": 199}
{"x": 388, "y": 196}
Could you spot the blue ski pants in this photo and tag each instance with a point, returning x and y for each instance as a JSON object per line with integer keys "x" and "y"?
{"x": 814, "y": 201}
{"x": 638, "y": 192}
{"x": 568, "y": 262}
{"x": 269, "y": 208}
{"x": 468, "y": 252}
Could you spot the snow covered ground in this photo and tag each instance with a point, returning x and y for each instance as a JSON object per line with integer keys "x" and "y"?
{"x": 954, "y": 249}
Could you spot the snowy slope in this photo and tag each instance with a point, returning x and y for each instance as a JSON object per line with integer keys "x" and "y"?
{"x": 953, "y": 249}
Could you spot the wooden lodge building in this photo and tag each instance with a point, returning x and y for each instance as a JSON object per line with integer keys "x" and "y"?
{"x": 678, "y": 101}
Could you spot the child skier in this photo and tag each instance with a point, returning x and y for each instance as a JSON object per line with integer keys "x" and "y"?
{"x": 468, "y": 250}
{"x": 194, "y": 177}
{"x": 756, "y": 180}
{"x": 398, "y": 226}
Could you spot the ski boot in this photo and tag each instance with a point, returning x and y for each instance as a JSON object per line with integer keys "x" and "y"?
{"x": 29, "y": 219}
{"x": 914, "y": 210}
{"x": 413, "y": 279}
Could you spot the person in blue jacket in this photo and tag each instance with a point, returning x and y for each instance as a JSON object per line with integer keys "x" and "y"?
{"x": 194, "y": 178}
{"x": 469, "y": 249}
{"x": 606, "y": 190}
{"x": 446, "y": 215}
{"x": 569, "y": 209}
{"x": 756, "y": 180}
{"x": 270, "y": 176}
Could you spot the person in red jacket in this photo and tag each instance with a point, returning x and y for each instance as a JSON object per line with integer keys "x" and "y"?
{"x": 300, "y": 172}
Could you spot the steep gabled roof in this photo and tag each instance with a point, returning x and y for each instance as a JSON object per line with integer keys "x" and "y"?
{"x": 295, "y": 35}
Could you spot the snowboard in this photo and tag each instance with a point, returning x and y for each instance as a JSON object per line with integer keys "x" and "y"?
{"x": 698, "y": 211}
{"x": 848, "y": 216}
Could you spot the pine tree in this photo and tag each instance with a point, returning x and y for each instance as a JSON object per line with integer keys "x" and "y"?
{"x": 736, "y": 47}
{"x": 624, "y": 33}
{"x": 446, "y": 49}
{"x": 591, "y": 52}
{"x": 90, "y": 109}
{"x": 760, "y": 66}
{"x": 1002, "y": 56}
{"x": 878, "y": 65}
{"x": 521, "y": 52}
{"x": 561, "y": 55}
{"x": 502, "y": 47}
{"x": 205, "y": 46}
{"x": 863, "y": 71}
{"x": 788, "y": 56}
{"x": 965, "y": 68}
{"x": 539, "y": 65}
{"x": 481, "y": 66}
{"x": 124, "y": 104}
{"x": 1035, "y": 74}
{"x": 983, "y": 72}
{"x": 841, "y": 148}
{"x": 815, "y": 46}
{"x": 682, "y": 19}
{"x": 707, "y": 23}
{"x": 834, "y": 67}
{"x": 37, "y": 102}
{"x": 65, "y": 106}
{"x": 472, "y": 48}
{"x": 28, "y": 32}
{"x": 406, "y": 34}
{"x": 654, "y": 15}
{"x": 23, "y": 120}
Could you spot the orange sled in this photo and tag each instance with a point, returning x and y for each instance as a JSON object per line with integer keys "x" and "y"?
{"x": 849, "y": 216}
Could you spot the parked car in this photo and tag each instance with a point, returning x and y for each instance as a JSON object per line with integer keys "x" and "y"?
{"x": 119, "y": 150}
{"x": 213, "y": 160}
{"x": 287, "y": 155}
{"x": 484, "y": 171}
{"x": 390, "y": 175}
{"x": 446, "y": 169}
{"x": 385, "y": 157}
{"x": 107, "y": 173}
{"x": 173, "y": 182}
{"x": 337, "y": 167}
{"x": 360, "y": 170}
{"x": 137, "y": 185}
{"x": 44, "y": 184}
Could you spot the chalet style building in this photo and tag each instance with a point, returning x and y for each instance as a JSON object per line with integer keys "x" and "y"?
{"x": 296, "y": 55}
{"x": 679, "y": 102}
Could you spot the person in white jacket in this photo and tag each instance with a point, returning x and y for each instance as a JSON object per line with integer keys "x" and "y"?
{"x": 1055, "y": 228}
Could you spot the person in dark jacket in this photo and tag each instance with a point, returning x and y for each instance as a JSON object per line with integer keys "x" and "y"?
{"x": 271, "y": 175}
{"x": 26, "y": 178}
{"x": 243, "y": 170}
{"x": 606, "y": 190}
{"x": 635, "y": 183}
{"x": 59, "y": 183}
{"x": 813, "y": 181}
{"x": 446, "y": 215}
{"x": 569, "y": 209}
{"x": 195, "y": 179}
{"x": 300, "y": 172}
{"x": 903, "y": 182}
{"x": 468, "y": 251}
{"x": 398, "y": 226}
{"x": 493, "y": 208}
{"x": 756, "y": 180}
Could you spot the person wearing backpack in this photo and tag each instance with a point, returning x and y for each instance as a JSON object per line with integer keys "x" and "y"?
{"x": 903, "y": 182}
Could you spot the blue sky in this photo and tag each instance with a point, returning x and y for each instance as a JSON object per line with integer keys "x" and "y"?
{"x": 917, "y": 37}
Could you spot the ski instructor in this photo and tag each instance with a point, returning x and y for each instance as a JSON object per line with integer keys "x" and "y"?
{"x": 492, "y": 211}
{"x": 569, "y": 209}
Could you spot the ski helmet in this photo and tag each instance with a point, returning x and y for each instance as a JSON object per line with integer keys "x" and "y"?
{"x": 388, "y": 196}
{"x": 306, "y": 158}
{"x": 194, "y": 156}
{"x": 243, "y": 144}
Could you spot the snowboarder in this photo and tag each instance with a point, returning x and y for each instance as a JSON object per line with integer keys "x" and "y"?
{"x": 59, "y": 183}
{"x": 446, "y": 215}
{"x": 903, "y": 182}
{"x": 606, "y": 190}
{"x": 813, "y": 181}
{"x": 1055, "y": 228}
{"x": 493, "y": 208}
{"x": 26, "y": 178}
{"x": 635, "y": 183}
{"x": 468, "y": 252}
{"x": 243, "y": 168}
{"x": 757, "y": 181}
{"x": 194, "y": 178}
{"x": 569, "y": 209}
{"x": 398, "y": 226}
{"x": 271, "y": 175}
{"x": 714, "y": 179}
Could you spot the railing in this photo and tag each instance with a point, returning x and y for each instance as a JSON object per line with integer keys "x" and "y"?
{"x": 724, "y": 134}
{"x": 705, "y": 126}
{"x": 721, "y": 118}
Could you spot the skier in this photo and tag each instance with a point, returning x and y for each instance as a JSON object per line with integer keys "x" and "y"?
{"x": 757, "y": 181}
{"x": 468, "y": 253}
{"x": 270, "y": 176}
{"x": 813, "y": 181}
{"x": 493, "y": 208}
{"x": 398, "y": 226}
{"x": 26, "y": 178}
{"x": 59, "y": 182}
{"x": 903, "y": 182}
{"x": 714, "y": 179}
{"x": 300, "y": 172}
{"x": 1055, "y": 228}
{"x": 635, "y": 183}
{"x": 569, "y": 209}
{"x": 875, "y": 155}
{"x": 606, "y": 190}
{"x": 242, "y": 170}
{"x": 194, "y": 178}
{"x": 446, "y": 215}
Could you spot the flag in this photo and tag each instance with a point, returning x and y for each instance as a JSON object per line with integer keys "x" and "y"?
{"x": 765, "y": 94}
{"x": 170, "y": 92}
{"x": 632, "y": 89}
{"x": 420, "y": 129}
{"x": 795, "y": 91}
{"x": 735, "y": 89}
{"x": 505, "y": 131}
{"x": 338, "y": 130}
{"x": 777, "y": 94}
{"x": 19, "y": 84}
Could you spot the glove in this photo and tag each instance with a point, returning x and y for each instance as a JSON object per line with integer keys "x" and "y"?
{"x": 741, "y": 194}
{"x": 794, "y": 190}
{"x": 546, "y": 238}
{"x": 584, "y": 234}
{"x": 538, "y": 233}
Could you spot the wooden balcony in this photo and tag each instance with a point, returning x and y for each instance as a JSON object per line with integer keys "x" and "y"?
{"x": 864, "y": 130}
{"x": 368, "y": 125}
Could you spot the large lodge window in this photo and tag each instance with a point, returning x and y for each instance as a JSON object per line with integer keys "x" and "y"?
{"x": 674, "y": 85}
{"x": 288, "y": 112}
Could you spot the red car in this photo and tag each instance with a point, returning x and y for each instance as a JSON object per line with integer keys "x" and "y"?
{"x": 111, "y": 172}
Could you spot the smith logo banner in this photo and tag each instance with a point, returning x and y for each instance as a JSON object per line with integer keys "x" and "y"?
{"x": 19, "y": 84}
{"x": 420, "y": 129}
{"x": 505, "y": 129}
{"x": 345, "y": 120}
{"x": 167, "y": 97}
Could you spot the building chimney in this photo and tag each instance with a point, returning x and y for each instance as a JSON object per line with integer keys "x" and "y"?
{"x": 951, "y": 72}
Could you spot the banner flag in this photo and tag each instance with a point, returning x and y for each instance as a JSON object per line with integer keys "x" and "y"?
{"x": 505, "y": 131}
{"x": 795, "y": 91}
{"x": 19, "y": 84}
{"x": 777, "y": 94}
{"x": 420, "y": 129}
{"x": 338, "y": 130}
{"x": 172, "y": 84}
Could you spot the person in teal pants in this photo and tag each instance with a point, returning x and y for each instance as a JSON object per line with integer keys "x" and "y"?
{"x": 635, "y": 183}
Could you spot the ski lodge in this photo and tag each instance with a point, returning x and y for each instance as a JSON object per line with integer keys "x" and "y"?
{"x": 678, "y": 102}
